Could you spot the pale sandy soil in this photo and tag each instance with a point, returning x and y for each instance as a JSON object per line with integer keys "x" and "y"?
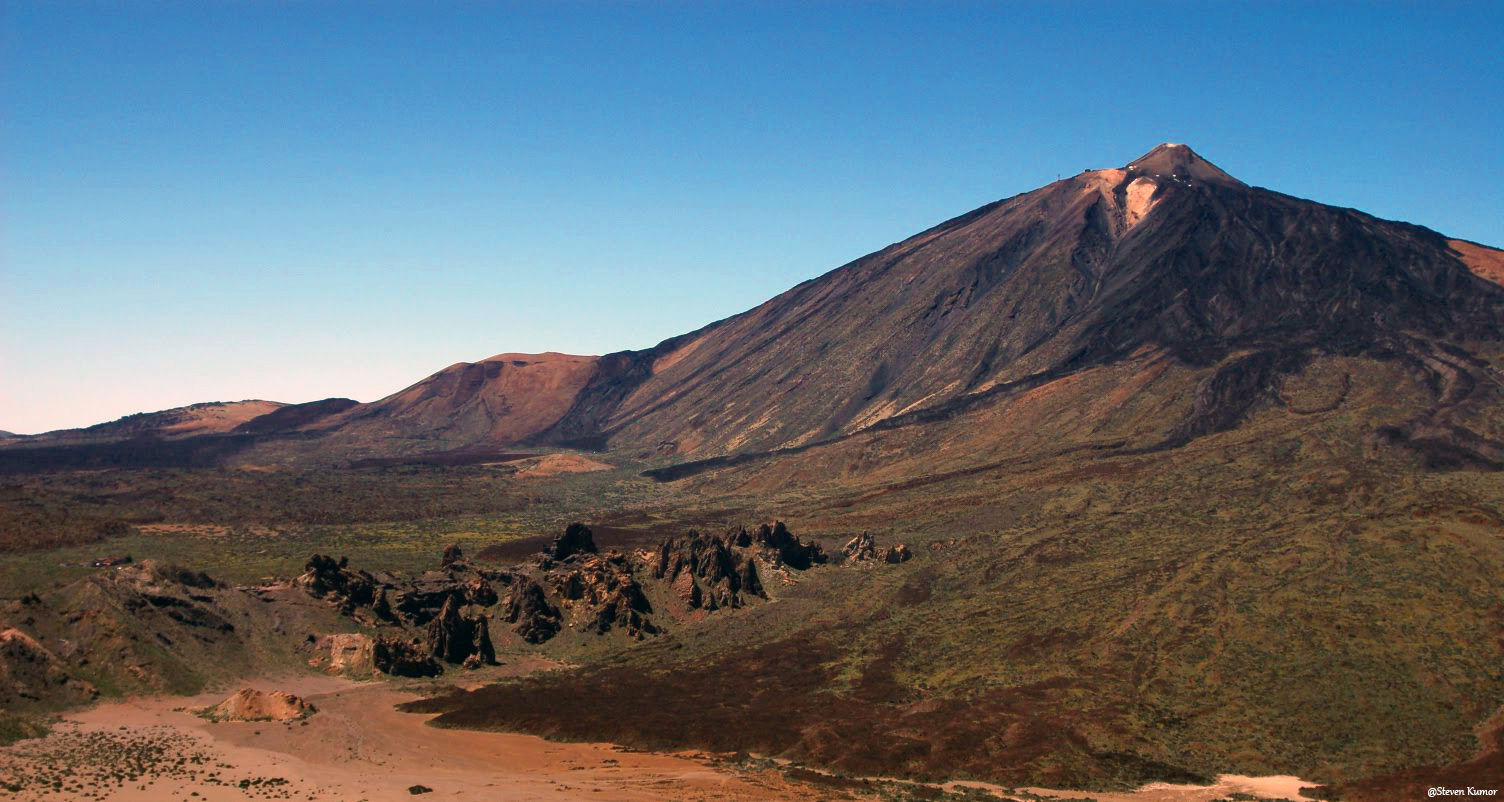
{"x": 1140, "y": 203}
{"x": 1227, "y": 784}
{"x": 359, "y": 747}
{"x": 556, "y": 464}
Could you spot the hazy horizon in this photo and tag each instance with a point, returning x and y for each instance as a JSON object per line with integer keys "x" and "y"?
{"x": 292, "y": 203}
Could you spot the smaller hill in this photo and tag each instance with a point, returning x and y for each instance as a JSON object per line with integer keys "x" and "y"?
{"x": 214, "y": 417}
{"x": 294, "y": 416}
{"x": 249, "y": 704}
{"x": 469, "y": 406}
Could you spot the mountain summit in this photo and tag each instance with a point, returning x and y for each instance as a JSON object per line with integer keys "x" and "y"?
{"x": 1176, "y": 161}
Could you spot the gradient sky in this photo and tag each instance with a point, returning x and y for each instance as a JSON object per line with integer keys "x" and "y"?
{"x": 290, "y": 201}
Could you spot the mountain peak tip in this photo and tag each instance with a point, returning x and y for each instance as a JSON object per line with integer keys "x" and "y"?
{"x": 1177, "y": 160}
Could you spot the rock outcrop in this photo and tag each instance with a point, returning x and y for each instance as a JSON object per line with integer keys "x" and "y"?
{"x": 420, "y": 600}
{"x": 383, "y": 598}
{"x": 456, "y": 638}
{"x": 571, "y": 584}
{"x": 351, "y": 590}
{"x": 349, "y": 655}
{"x": 897, "y": 554}
{"x": 782, "y": 547}
{"x": 862, "y": 547}
{"x": 575, "y": 539}
{"x": 605, "y": 585}
{"x": 403, "y": 658}
{"x": 527, "y": 607}
{"x": 432, "y": 602}
{"x": 707, "y": 571}
{"x": 249, "y": 704}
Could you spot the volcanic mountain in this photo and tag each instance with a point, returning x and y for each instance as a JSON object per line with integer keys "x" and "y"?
{"x": 1195, "y": 477}
{"x": 1168, "y": 265}
{"x": 1202, "y": 292}
{"x": 1168, "y": 257}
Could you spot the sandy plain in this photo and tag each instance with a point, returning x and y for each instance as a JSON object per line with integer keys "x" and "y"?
{"x": 358, "y": 746}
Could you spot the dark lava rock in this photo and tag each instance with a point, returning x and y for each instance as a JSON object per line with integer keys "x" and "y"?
{"x": 456, "y": 638}
{"x": 536, "y": 620}
{"x": 325, "y": 577}
{"x": 420, "y": 600}
{"x": 403, "y": 658}
{"x": 576, "y": 539}
{"x": 785, "y": 548}
{"x": 386, "y": 598}
{"x": 708, "y": 571}
{"x": 605, "y": 584}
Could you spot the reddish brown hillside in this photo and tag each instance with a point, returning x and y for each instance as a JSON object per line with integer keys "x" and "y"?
{"x": 494, "y": 402}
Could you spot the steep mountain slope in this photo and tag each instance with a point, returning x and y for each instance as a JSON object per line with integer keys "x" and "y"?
{"x": 1166, "y": 255}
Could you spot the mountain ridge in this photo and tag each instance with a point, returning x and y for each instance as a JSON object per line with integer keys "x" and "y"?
{"x": 1166, "y": 254}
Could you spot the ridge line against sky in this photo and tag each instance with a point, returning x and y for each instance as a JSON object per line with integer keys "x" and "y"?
{"x": 224, "y": 201}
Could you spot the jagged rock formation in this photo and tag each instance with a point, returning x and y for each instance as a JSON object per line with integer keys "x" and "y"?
{"x": 456, "y": 638}
{"x": 249, "y": 704}
{"x": 431, "y": 601}
{"x": 572, "y": 585}
{"x": 784, "y": 548}
{"x": 419, "y": 600}
{"x": 605, "y": 586}
{"x": 403, "y": 658}
{"x": 527, "y": 607}
{"x": 709, "y": 572}
{"x": 326, "y": 577}
{"x": 575, "y": 539}
{"x": 862, "y": 547}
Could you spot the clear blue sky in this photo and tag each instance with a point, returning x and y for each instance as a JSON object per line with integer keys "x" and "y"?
{"x": 219, "y": 201}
